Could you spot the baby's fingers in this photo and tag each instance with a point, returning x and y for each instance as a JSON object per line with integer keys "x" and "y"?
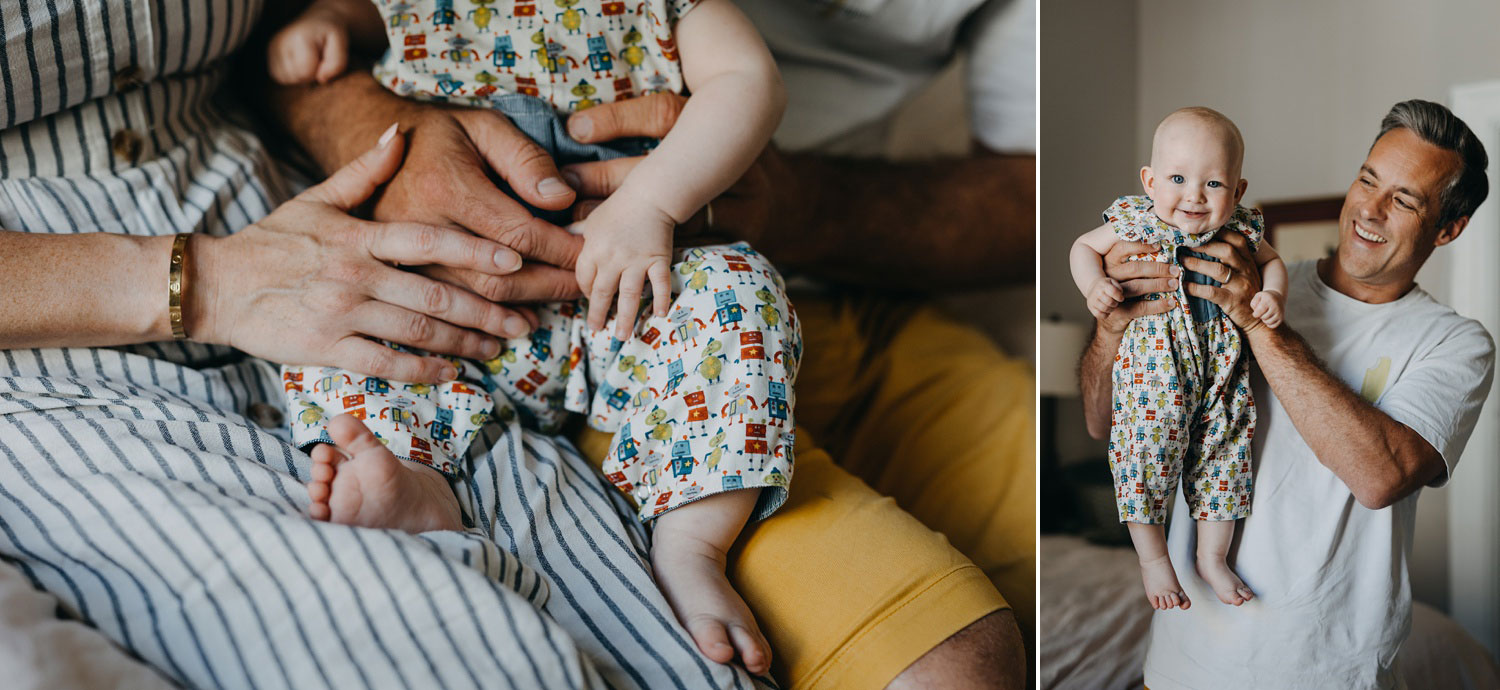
{"x": 631, "y": 285}
{"x": 661, "y": 286}
{"x": 335, "y": 56}
{"x": 600, "y": 295}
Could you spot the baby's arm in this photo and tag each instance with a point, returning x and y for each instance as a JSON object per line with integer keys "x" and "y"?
{"x": 1086, "y": 260}
{"x": 736, "y": 103}
{"x": 315, "y": 46}
{"x": 1268, "y": 304}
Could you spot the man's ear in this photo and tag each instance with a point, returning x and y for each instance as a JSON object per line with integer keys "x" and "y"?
{"x": 1451, "y": 231}
{"x": 1148, "y": 180}
{"x": 1239, "y": 192}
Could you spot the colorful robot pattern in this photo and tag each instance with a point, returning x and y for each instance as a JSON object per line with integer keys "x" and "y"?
{"x": 1183, "y": 409}
{"x": 699, "y": 402}
{"x": 586, "y": 53}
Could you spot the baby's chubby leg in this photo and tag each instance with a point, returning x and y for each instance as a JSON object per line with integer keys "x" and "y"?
{"x": 1214, "y": 537}
{"x": 689, "y": 554}
{"x": 1162, "y": 588}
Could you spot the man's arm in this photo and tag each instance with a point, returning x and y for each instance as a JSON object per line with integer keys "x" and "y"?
{"x": 1380, "y": 459}
{"x": 961, "y": 222}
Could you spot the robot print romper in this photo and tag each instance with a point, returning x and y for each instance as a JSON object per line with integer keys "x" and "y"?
{"x": 1182, "y": 401}
{"x": 700, "y": 401}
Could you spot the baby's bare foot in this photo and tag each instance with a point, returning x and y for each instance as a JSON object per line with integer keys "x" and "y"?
{"x": 691, "y": 575}
{"x": 1227, "y": 586}
{"x": 1162, "y": 588}
{"x": 373, "y": 488}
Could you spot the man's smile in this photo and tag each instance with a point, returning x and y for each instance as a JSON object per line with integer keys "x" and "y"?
{"x": 1368, "y": 236}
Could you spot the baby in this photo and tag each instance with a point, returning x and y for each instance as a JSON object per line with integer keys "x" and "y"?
{"x": 1181, "y": 387}
{"x": 699, "y": 399}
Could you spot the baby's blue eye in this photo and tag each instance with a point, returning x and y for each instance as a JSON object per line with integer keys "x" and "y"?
{"x": 1179, "y": 179}
{"x": 1215, "y": 184}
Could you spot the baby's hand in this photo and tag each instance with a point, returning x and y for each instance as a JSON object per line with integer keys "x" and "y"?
{"x": 1104, "y": 295}
{"x": 1267, "y": 306}
{"x": 625, "y": 242}
{"x": 314, "y": 47}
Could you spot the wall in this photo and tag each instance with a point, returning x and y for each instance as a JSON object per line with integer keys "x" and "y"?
{"x": 1088, "y": 99}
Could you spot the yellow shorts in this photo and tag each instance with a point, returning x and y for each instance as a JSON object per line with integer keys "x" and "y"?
{"x": 853, "y": 584}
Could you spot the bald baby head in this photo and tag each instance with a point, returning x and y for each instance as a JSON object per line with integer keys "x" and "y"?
{"x": 1204, "y": 130}
{"x": 1194, "y": 176}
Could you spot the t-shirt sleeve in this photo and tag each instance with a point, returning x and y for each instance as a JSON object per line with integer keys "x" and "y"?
{"x": 1439, "y": 397}
{"x": 1002, "y": 75}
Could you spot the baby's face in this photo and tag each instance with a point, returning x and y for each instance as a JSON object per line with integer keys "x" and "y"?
{"x": 1194, "y": 177}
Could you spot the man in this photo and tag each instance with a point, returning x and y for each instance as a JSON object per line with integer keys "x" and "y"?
{"x": 874, "y": 369}
{"x": 1367, "y": 393}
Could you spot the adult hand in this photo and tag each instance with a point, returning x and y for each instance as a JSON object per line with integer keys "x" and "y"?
{"x": 449, "y": 179}
{"x": 310, "y": 284}
{"x": 1237, "y": 272}
{"x": 743, "y": 212}
{"x": 1138, "y": 279}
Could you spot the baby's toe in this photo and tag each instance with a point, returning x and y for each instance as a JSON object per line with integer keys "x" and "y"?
{"x": 752, "y": 648}
{"x": 712, "y": 639}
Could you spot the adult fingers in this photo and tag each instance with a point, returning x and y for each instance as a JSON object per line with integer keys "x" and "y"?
{"x": 526, "y": 166}
{"x": 1213, "y": 269}
{"x": 1231, "y": 249}
{"x": 415, "y": 329}
{"x": 1131, "y": 270}
{"x": 1217, "y": 295}
{"x": 370, "y": 358}
{"x": 1145, "y": 307}
{"x": 352, "y": 184}
{"x": 648, "y": 116}
{"x": 1147, "y": 286}
{"x": 452, "y": 304}
{"x": 418, "y": 244}
{"x": 599, "y": 179}
{"x": 1121, "y": 251}
{"x": 533, "y": 283}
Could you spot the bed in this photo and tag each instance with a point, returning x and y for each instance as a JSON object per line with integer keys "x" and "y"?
{"x": 1095, "y": 620}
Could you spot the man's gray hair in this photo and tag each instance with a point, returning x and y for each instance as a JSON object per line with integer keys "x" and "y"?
{"x": 1438, "y": 126}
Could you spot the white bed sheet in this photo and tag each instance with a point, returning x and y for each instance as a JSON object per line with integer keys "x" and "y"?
{"x": 1095, "y": 619}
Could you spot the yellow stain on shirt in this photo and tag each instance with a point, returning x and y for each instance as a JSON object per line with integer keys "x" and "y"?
{"x": 1375, "y": 379}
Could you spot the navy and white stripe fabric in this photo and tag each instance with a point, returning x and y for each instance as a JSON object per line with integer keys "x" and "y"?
{"x": 135, "y": 486}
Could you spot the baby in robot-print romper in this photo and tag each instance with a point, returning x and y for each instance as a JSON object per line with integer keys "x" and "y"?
{"x": 698, "y": 392}
{"x": 1182, "y": 402}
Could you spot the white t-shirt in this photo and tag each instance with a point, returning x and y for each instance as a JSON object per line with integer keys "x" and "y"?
{"x": 849, "y": 64}
{"x": 1332, "y": 600}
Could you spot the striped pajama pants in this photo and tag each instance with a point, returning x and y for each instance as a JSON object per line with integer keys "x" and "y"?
{"x": 154, "y": 509}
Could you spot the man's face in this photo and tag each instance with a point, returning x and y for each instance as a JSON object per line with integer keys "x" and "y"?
{"x": 1388, "y": 226}
{"x": 1194, "y": 178}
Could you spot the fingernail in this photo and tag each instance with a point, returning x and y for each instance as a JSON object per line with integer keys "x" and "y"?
{"x": 507, "y": 260}
{"x": 574, "y": 228}
{"x": 491, "y": 348}
{"x": 552, "y": 187}
{"x": 390, "y": 134}
{"x": 516, "y": 326}
{"x": 573, "y": 179}
{"x": 1172, "y": 284}
{"x": 450, "y": 372}
{"x": 579, "y": 127}
{"x": 1176, "y": 271}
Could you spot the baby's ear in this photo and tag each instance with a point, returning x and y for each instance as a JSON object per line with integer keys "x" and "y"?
{"x": 1239, "y": 191}
{"x": 1148, "y": 179}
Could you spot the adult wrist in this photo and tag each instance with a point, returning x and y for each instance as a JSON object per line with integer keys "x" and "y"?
{"x": 204, "y": 273}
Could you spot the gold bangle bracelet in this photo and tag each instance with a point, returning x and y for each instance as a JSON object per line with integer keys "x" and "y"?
{"x": 175, "y": 285}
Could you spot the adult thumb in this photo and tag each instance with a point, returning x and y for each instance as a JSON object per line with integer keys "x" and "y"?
{"x": 350, "y": 185}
